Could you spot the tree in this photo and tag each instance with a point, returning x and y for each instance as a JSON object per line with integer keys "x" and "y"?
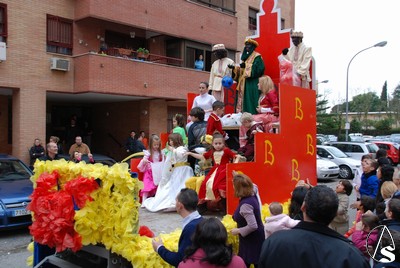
{"x": 384, "y": 97}
{"x": 321, "y": 104}
{"x": 383, "y": 126}
{"x": 364, "y": 103}
{"x": 355, "y": 126}
{"x": 395, "y": 104}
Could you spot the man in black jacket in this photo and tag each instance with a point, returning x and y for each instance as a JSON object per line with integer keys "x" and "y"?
{"x": 312, "y": 243}
{"x": 133, "y": 145}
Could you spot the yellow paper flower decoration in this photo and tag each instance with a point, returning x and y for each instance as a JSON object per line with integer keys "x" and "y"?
{"x": 112, "y": 218}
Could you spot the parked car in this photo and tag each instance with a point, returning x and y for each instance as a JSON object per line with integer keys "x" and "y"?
{"x": 395, "y": 137}
{"x": 355, "y": 149}
{"x": 98, "y": 158}
{"x": 392, "y": 149}
{"x": 326, "y": 169}
{"x": 15, "y": 189}
{"x": 322, "y": 139}
{"x": 332, "y": 138}
{"x": 347, "y": 165}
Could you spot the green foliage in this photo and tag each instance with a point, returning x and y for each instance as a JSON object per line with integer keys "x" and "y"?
{"x": 355, "y": 126}
{"x": 364, "y": 103}
{"x": 322, "y": 104}
{"x": 142, "y": 50}
{"x": 384, "y": 94}
{"x": 383, "y": 126}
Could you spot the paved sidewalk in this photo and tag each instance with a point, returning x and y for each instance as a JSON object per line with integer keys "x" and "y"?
{"x": 160, "y": 222}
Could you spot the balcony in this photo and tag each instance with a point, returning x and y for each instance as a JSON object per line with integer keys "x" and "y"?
{"x": 134, "y": 77}
{"x": 135, "y": 55}
{"x": 178, "y": 18}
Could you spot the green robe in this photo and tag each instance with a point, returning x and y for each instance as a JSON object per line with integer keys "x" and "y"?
{"x": 251, "y": 93}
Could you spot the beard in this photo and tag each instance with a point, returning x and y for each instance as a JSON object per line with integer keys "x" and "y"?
{"x": 246, "y": 53}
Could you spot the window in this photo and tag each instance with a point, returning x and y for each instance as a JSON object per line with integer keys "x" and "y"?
{"x": 283, "y": 24}
{"x": 252, "y": 19}
{"x": 227, "y": 6}
{"x": 59, "y": 35}
{"x": 3, "y": 22}
{"x": 357, "y": 149}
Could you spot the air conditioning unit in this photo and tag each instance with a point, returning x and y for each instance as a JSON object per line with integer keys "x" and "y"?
{"x": 59, "y": 64}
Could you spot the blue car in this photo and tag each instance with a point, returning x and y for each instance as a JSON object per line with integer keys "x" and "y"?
{"x": 15, "y": 189}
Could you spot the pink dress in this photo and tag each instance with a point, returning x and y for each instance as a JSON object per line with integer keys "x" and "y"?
{"x": 146, "y": 167}
{"x": 287, "y": 75}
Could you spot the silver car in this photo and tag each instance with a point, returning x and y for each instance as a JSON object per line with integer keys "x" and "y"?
{"x": 347, "y": 165}
{"x": 355, "y": 149}
{"x": 326, "y": 169}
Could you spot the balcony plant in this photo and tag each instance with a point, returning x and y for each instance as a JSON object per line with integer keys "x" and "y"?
{"x": 142, "y": 53}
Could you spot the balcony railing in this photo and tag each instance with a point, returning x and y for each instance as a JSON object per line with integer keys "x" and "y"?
{"x": 134, "y": 55}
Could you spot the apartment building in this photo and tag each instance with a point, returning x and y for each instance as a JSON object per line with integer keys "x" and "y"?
{"x": 81, "y": 59}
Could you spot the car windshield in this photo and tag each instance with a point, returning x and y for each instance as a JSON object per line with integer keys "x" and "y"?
{"x": 356, "y": 138}
{"x": 396, "y": 145}
{"x": 337, "y": 153}
{"x": 372, "y": 148}
{"x": 13, "y": 170}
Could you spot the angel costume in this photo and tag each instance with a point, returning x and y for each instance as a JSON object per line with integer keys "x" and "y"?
{"x": 152, "y": 169}
{"x": 172, "y": 183}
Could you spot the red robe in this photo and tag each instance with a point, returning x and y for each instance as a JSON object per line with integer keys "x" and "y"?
{"x": 270, "y": 101}
{"x": 220, "y": 176}
{"x": 214, "y": 124}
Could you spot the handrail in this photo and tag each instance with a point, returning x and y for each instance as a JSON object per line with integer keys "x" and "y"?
{"x": 114, "y": 139}
{"x": 133, "y": 54}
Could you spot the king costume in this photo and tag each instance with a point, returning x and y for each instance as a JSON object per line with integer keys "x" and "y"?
{"x": 247, "y": 74}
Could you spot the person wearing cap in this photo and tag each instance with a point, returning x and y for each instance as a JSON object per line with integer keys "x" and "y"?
{"x": 300, "y": 56}
{"x": 219, "y": 69}
{"x": 246, "y": 74}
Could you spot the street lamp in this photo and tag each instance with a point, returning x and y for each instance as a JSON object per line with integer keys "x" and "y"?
{"x": 347, "y": 125}
{"x": 323, "y": 82}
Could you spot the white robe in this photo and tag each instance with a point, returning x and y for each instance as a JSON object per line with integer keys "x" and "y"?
{"x": 302, "y": 64}
{"x": 219, "y": 69}
{"x": 170, "y": 185}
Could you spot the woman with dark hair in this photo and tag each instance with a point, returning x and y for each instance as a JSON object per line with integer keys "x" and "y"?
{"x": 298, "y": 195}
{"x": 209, "y": 248}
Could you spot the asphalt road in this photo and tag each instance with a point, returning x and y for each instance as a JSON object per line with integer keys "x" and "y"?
{"x": 13, "y": 243}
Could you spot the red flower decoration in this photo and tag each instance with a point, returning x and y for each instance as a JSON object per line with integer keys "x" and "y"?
{"x": 145, "y": 231}
{"x": 54, "y": 211}
{"x": 80, "y": 188}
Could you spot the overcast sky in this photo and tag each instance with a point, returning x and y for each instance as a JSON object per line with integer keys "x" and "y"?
{"x": 337, "y": 29}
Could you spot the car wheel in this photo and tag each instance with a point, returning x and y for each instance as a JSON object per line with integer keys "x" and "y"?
{"x": 345, "y": 173}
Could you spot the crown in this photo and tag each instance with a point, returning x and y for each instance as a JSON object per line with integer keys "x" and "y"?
{"x": 251, "y": 41}
{"x": 296, "y": 34}
{"x": 218, "y": 47}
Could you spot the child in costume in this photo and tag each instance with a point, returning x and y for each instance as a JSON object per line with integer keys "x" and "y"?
{"x": 252, "y": 127}
{"x": 214, "y": 121}
{"x": 151, "y": 166}
{"x": 169, "y": 186}
{"x": 214, "y": 185}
